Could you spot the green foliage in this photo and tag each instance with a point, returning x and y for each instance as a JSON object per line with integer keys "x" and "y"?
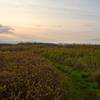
{"x": 81, "y": 65}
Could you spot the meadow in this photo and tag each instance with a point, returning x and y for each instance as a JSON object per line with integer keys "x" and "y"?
{"x": 49, "y": 72}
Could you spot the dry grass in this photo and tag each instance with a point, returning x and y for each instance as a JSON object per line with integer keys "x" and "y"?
{"x": 26, "y": 75}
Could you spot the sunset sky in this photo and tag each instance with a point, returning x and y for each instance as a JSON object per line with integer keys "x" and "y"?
{"x": 65, "y": 21}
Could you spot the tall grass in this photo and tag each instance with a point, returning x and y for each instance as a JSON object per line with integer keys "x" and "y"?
{"x": 50, "y": 72}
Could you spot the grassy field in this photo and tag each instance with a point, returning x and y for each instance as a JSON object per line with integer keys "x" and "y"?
{"x": 49, "y": 72}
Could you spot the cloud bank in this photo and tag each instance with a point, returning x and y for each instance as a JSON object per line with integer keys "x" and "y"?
{"x": 5, "y": 29}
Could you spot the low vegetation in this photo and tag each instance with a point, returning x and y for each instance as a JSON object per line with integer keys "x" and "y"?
{"x": 49, "y": 72}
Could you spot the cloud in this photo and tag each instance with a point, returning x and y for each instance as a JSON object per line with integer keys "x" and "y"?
{"x": 5, "y": 29}
{"x": 48, "y": 26}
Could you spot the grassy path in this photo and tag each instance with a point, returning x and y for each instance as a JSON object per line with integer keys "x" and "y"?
{"x": 80, "y": 87}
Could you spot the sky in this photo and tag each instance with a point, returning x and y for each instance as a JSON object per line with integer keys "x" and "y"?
{"x": 61, "y": 21}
